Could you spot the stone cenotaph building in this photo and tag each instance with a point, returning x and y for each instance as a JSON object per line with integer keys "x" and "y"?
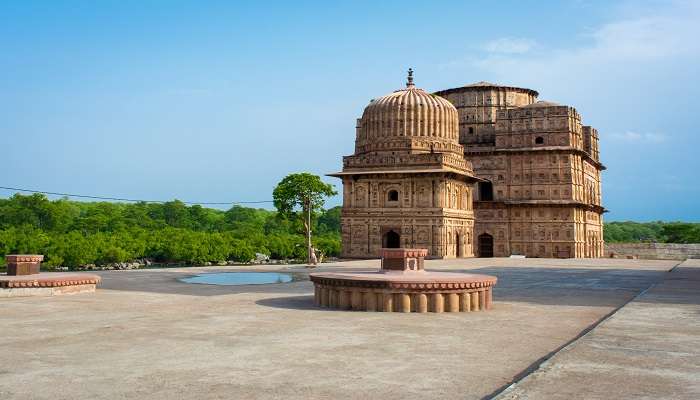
{"x": 408, "y": 183}
{"x": 536, "y": 176}
{"x": 541, "y": 195}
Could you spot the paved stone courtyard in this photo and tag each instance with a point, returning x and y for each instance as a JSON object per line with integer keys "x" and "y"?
{"x": 146, "y": 335}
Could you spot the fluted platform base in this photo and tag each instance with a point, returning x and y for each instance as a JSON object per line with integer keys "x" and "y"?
{"x": 428, "y": 292}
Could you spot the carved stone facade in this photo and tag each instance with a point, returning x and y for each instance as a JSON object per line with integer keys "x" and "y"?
{"x": 542, "y": 195}
{"x": 408, "y": 183}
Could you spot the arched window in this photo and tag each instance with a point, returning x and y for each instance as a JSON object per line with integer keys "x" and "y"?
{"x": 485, "y": 191}
{"x": 471, "y": 130}
{"x": 539, "y": 140}
{"x": 393, "y": 195}
{"x": 391, "y": 240}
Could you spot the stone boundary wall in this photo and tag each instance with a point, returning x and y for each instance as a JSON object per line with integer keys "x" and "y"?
{"x": 652, "y": 251}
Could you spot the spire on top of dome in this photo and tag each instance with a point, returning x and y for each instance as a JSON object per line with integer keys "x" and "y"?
{"x": 409, "y": 81}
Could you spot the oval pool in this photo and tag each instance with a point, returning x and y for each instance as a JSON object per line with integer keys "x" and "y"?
{"x": 239, "y": 278}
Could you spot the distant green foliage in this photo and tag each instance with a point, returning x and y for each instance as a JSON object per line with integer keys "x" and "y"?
{"x": 659, "y": 232}
{"x": 73, "y": 233}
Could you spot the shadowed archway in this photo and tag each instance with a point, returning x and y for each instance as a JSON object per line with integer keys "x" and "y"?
{"x": 391, "y": 240}
{"x": 485, "y": 245}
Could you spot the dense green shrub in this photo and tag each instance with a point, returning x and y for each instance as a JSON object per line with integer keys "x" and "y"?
{"x": 658, "y": 231}
{"x": 73, "y": 233}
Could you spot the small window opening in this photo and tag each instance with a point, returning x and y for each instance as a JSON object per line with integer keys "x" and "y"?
{"x": 539, "y": 140}
{"x": 393, "y": 195}
{"x": 485, "y": 191}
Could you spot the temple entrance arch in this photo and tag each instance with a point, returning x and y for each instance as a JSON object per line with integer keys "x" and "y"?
{"x": 391, "y": 240}
{"x": 485, "y": 245}
{"x": 459, "y": 251}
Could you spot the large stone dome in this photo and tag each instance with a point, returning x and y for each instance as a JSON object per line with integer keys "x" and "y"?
{"x": 408, "y": 120}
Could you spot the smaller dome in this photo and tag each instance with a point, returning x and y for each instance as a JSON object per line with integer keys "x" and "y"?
{"x": 409, "y": 119}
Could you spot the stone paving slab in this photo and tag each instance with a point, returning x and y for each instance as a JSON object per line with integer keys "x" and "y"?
{"x": 147, "y": 335}
{"x": 649, "y": 349}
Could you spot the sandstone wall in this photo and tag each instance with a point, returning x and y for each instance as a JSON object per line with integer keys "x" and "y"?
{"x": 655, "y": 251}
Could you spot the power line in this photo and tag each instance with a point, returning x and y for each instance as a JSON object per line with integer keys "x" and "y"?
{"x": 130, "y": 200}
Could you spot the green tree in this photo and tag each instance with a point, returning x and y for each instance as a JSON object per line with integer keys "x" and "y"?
{"x": 303, "y": 192}
{"x": 678, "y": 232}
{"x": 329, "y": 221}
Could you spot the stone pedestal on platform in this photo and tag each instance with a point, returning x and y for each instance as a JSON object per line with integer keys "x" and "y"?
{"x": 23, "y": 264}
{"x": 402, "y": 285}
{"x": 24, "y": 279}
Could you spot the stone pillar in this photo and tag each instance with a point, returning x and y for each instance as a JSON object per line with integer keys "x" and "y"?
{"x": 489, "y": 298}
{"x": 343, "y": 300}
{"x": 333, "y": 298}
{"x": 464, "y": 302}
{"x": 482, "y": 299}
{"x": 23, "y": 264}
{"x": 475, "y": 301}
{"x": 438, "y": 303}
{"x": 356, "y": 300}
{"x": 371, "y": 301}
{"x": 405, "y": 302}
{"x": 453, "y": 302}
{"x": 324, "y": 297}
{"x": 422, "y": 303}
{"x": 388, "y": 302}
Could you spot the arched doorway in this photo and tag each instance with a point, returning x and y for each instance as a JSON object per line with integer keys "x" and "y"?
{"x": 458, "y": 246}
{"x": 391, "y": 240}
{"x": 485, "y": 191}
{"x": 485, "y": 245}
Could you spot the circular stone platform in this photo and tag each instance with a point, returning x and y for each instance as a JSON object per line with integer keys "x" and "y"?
{"x": 392, "y": 291}
{"x": 403, "y": 286}
{"x": 47, "y": 284}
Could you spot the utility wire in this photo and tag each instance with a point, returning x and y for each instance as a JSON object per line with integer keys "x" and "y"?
{"x": 130, "y": 200}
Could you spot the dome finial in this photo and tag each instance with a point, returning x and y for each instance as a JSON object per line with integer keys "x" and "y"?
{"x": 409, "y": 82}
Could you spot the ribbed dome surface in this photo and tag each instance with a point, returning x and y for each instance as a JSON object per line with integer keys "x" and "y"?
{"x": 411, "y": 120}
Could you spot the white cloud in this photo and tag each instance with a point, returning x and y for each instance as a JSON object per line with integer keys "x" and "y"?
{"x": 636, "y": 137}
{"x": 509, "y": 45}
{"x": 633, "y": 42}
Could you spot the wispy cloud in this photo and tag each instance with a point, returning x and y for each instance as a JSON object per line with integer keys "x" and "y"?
{"x": 509, "y": 45}
{"x": 606, "y": 51}
{"x": 636, "y": 137}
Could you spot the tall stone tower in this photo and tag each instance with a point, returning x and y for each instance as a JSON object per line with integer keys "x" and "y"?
{"x": 408, "y": 183}
{"x": 541, "y": 195}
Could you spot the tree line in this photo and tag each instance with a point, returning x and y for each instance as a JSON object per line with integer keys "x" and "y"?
{"x": 658, "y": 232}
{"x": 71, "y": 233}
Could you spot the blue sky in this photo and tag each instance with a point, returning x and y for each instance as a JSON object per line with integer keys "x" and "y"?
{"x": 217, "y": 101}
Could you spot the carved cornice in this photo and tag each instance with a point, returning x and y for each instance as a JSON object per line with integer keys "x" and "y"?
{"x": 407, "y": 161}
{"x": 20, "y": 258}
{"x": 412, "y": 286}
{"x": 403, "y": 253}
{"x": 48, "y": 282}
{"x": 538, "y": 203}
{"x": 548, "y": 149}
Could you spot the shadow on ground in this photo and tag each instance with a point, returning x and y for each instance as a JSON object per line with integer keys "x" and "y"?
{"x": 573, "y": 286}
{"x": 547, "y": 286}
{"x": 305, "y": 302}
